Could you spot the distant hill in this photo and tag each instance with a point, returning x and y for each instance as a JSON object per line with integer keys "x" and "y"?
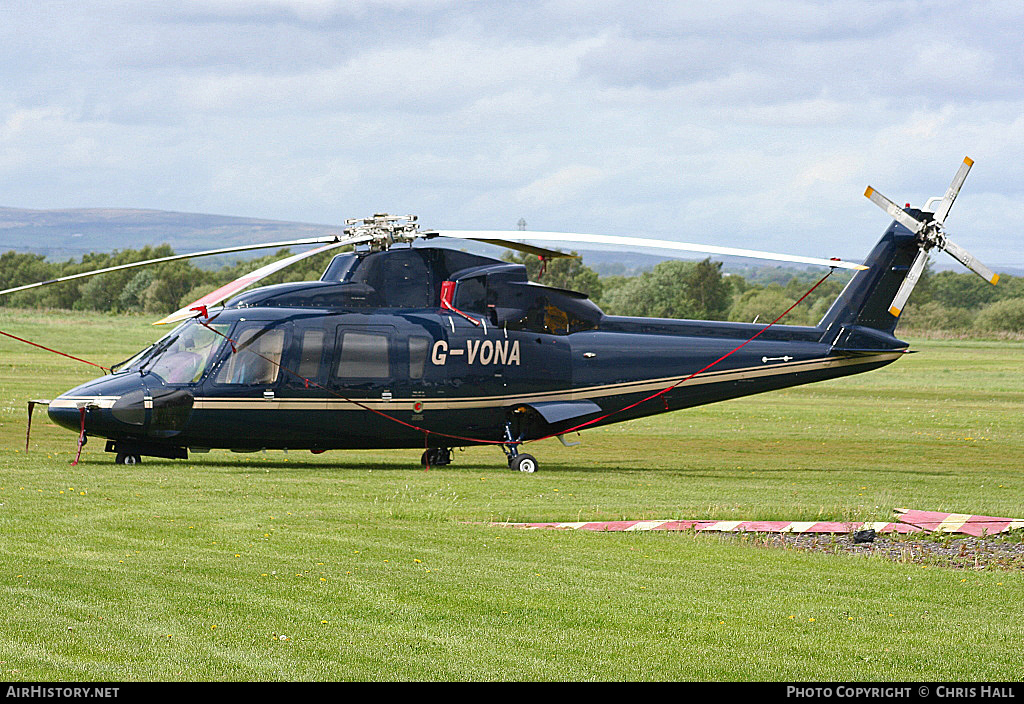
{"x": 66, "y": 234}
{"x": 63, "y": 234}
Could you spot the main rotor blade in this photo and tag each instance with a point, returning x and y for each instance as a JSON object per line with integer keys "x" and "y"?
{"x": 913, "y": 276}
{"x": 968, "y": 260}
{"x": 954, "y": 188}
{"x": 175, "y": 257}
{"x": 519, "y": 236}
{"x": 528, "y": 248}
{"x": 898, "y": 214}
{"x": 215, "y": 297}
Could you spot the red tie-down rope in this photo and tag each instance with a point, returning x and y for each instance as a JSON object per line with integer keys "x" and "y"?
{"x": 62, "y": 354}
{"x": 309, "y": 382}
{"x": 202, "y": 312}
{"x": 31, "y": 404}
{"x": 427, "y": 432}
{"x": 699, "y": 371}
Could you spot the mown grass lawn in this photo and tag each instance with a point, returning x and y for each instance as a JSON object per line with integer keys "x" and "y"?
{"x": 363, "y": 566}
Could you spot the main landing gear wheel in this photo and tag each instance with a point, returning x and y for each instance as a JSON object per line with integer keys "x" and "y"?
{"x": 523, "y": 463}
{"x": 436, "y": 457}
{"x": 127, "y": 458}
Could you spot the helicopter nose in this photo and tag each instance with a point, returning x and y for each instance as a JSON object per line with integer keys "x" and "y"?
{"x": 67, "y": 415}
{"x": 83, "y": 404}
{"x": 106, "y": 406}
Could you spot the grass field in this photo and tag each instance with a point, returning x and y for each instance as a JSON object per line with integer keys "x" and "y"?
{"x": 363, "y": 566}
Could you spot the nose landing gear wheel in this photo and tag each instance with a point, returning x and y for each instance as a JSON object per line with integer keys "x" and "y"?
{"x": 523, "y": 463}
{"x": 127, "y": 458}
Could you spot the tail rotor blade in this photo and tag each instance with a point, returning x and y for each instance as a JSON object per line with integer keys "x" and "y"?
{"x": 954, "y": 188}
{"x": 968, "y": 260}
{"x": 913, "y": 276}
{"x": 931, "y": 233}
{"x": 898, "y": 214}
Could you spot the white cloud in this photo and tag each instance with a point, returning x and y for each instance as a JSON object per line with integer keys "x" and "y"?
{"x": 733, "y": 122}
{"x": 557, "y": 188}
{"x": 311, "y": 10}
{"x": 434, "y": 76}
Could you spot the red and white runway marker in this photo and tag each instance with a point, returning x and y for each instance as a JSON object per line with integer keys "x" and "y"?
{"x": 910, "y": 521}
{"x": 959, "y": 522}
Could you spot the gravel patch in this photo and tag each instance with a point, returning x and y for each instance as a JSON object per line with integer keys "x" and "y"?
{"x": 941, "y": 550}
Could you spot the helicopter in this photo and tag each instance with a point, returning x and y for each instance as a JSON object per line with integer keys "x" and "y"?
{"x": 403, "y": 344}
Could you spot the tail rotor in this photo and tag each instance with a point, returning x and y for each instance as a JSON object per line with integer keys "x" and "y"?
{"x": 929, "y": 228}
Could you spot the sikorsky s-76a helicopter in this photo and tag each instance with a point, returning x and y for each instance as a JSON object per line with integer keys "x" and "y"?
{"x": 405, "y": 345}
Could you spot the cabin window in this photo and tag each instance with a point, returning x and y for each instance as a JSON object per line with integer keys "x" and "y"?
{"x": 364, "y": 355}
{"x": 556, "y": 320}
{"x": 417, "y": 356}
{"x": 471, "y": 295}
{"x": 551, "y": 312}
{"x": 256, "y": 360}
{"x": 310, "y": 354}
{"x": 545, "y": 316}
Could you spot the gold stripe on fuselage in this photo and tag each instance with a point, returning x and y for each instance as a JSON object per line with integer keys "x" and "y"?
{"x": 586, "y": 393}
{"x": 83, "y": 401}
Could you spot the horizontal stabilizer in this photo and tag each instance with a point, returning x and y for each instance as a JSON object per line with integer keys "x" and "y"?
{"x": 557, "y": 411}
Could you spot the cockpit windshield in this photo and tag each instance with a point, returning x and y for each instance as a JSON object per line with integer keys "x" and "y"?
{"x": 183, "y": 356}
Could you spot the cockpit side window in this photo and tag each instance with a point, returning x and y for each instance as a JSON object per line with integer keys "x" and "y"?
{"x": 183, "y": 357}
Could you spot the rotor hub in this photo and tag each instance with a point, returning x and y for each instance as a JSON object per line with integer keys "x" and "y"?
{"x": 932, "y": 235}
{"x": 384, "y": 230}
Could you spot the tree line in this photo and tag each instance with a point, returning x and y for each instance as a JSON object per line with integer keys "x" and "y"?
{"x": 943, "y": 302}
{"x": 158, "y": 289}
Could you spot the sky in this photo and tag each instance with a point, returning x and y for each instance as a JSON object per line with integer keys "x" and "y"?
{"x": 745, "y": 124}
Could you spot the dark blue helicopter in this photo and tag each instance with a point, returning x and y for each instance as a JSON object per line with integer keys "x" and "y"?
{"x": 435, "y": 348}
